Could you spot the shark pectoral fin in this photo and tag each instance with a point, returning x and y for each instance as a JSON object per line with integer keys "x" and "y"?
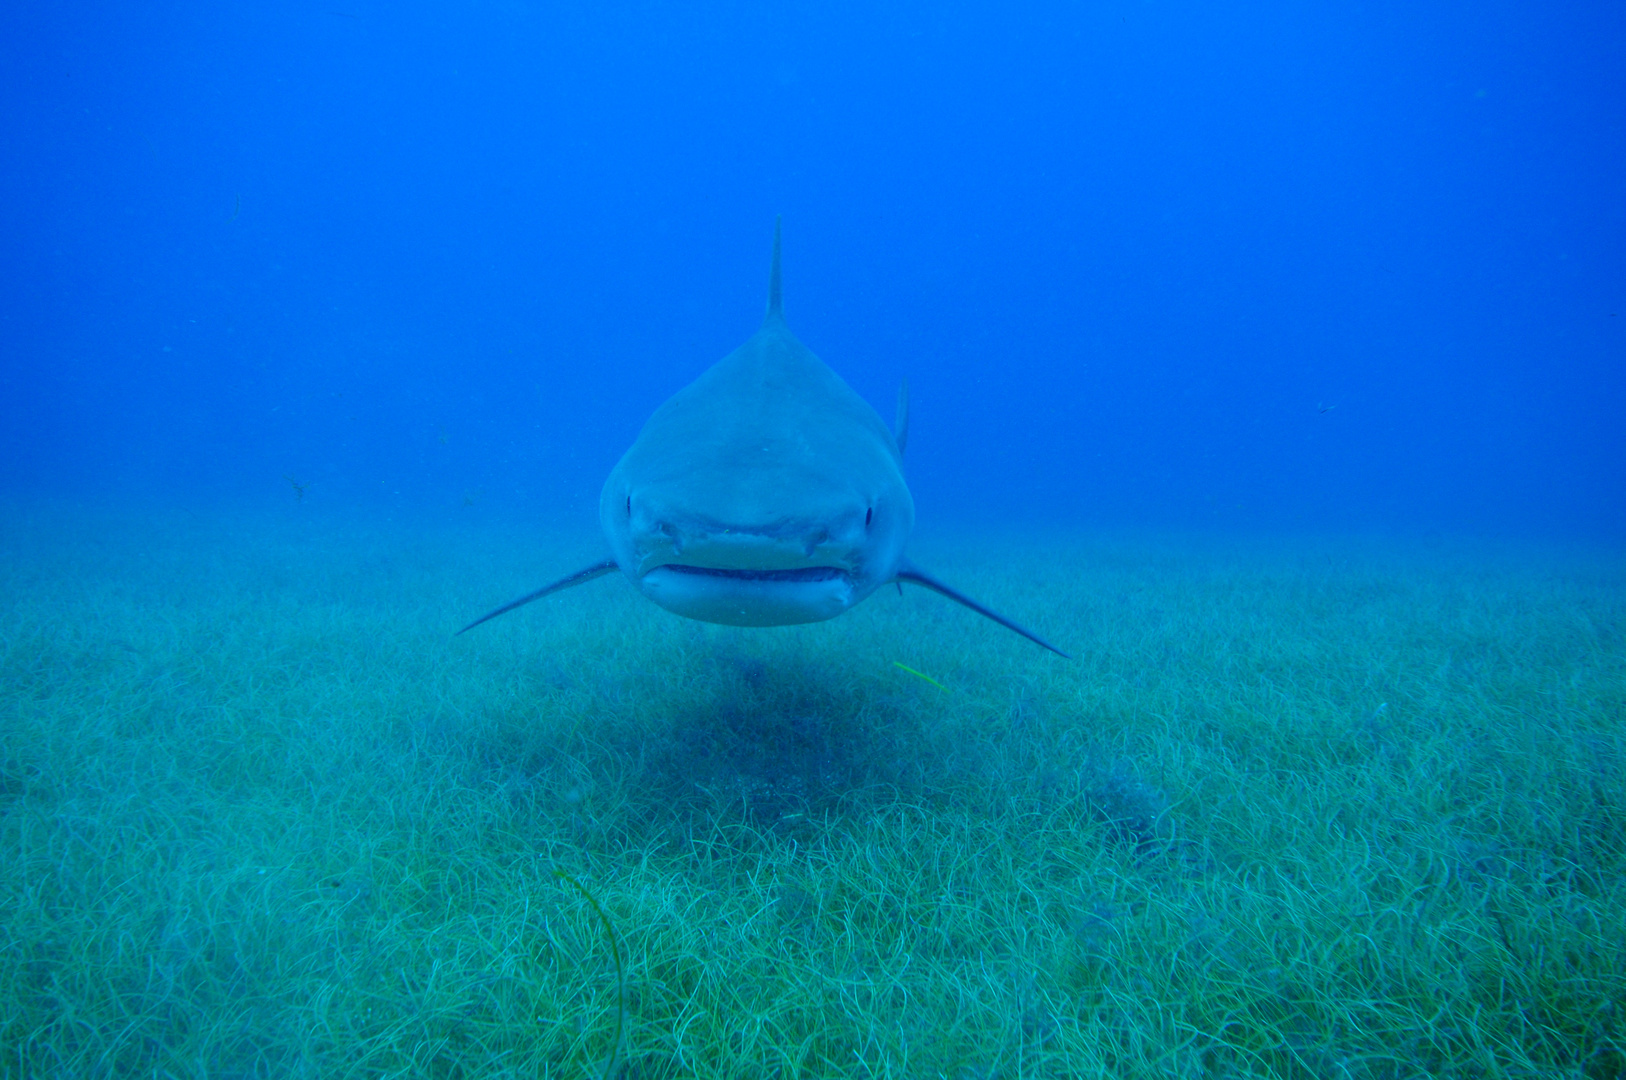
{"x": 908, "y": 572}
{"x": 900, "y": 426}
{"x": 598, "y": 569}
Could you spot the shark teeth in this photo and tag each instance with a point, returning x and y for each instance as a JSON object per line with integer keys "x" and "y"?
{"x": 806, "y": 573}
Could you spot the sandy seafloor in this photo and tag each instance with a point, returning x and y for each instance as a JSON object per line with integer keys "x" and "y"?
{"x": 1300, "y": 807}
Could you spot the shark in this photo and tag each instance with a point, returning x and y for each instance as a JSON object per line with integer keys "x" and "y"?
{"x": 765, "y": 493}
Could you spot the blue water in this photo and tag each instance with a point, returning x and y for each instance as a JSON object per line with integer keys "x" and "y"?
{"x": 1266, "y": 266}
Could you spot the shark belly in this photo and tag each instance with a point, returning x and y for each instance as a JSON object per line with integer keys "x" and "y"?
{"x": 739, "y": 598}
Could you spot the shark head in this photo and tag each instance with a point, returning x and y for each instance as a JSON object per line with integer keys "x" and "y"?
{"x": 764, "y": 493}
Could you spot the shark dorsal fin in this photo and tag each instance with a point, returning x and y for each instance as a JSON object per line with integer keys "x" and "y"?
{"x": 775, "y": 293}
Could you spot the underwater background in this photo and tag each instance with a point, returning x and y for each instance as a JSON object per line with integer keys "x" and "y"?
{"x": 1341, "y": 266}
{"x": 1269, "y": 358}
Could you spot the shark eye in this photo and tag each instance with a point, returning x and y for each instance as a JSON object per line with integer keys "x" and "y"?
{"x": 869, "y": 515}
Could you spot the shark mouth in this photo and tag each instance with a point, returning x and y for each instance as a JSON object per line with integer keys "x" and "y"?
{"x": 751, "y": 597}
{"x": 806, "y": 573}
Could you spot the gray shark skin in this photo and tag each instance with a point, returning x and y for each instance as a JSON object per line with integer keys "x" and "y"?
{"x": 764, "y": 493}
